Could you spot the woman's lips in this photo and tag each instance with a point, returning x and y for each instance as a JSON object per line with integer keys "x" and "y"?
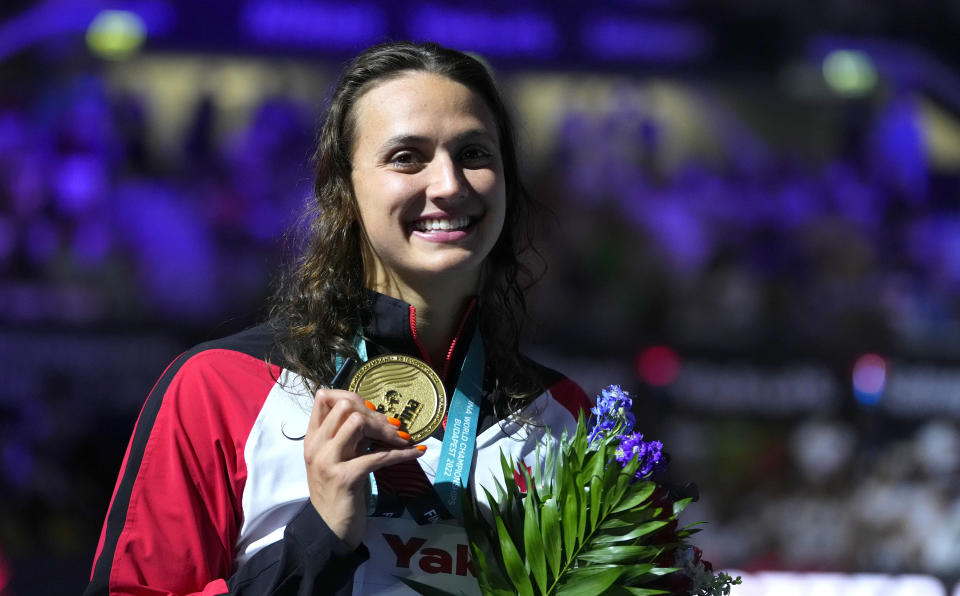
{"x": 441, "y": 223}
{"x": 444, "y": 229}
{"x": 443, "y": 236}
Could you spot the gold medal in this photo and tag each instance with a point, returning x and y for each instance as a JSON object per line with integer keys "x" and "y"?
{"x": 405, "y": 388}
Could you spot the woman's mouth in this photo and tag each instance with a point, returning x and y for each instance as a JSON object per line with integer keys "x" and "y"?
{"x": 443, "y": 224}
{"x": 444, "y": 229}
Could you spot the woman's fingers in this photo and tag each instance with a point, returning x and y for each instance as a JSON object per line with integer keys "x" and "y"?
{"x": 372, "y": 424}
{"x": 347, "y": 439}
{"x": 324, "y": 400}
{"x": 359, "y": 435}
{"x": 347, "y": 422}
{"x": 362, "y": 465}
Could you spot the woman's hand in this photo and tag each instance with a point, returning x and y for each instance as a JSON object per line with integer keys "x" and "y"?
{"x": 345, "y": 441}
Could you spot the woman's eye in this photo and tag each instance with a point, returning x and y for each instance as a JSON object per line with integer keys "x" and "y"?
{"x": 403, "y": 159}
{"x": 475, "y": 154}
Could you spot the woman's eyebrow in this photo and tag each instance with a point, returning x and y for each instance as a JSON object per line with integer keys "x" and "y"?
{"x": 412, "y": 139}
{"x": 476, "y": 133}
{"x": 404, "y": 139}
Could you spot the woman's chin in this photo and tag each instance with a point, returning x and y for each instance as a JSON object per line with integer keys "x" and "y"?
{"x": 453, "y": 272}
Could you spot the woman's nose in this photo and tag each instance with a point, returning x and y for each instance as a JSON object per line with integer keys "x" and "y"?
{"x": 446, "y": 180}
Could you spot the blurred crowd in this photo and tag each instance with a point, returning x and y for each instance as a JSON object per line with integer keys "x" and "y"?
{"x": 861, "y": 248}
{"x": 768, "y": 257}
{"x": 824, "y": 494}
{"x": 855, "y": 250}
{"x": 764, "y": 253}
{"x": 95, "y": 228}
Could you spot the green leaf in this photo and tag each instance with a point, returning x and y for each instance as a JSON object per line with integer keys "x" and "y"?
{"x": 425, "y": 589}
{"x": 570, "y": 506}
{"x": 614, "y": 523}
{"x": 580, "y": 441}
{"x": 629, "y": 591}
{"x": 511, "y": 558}
{"x": 560, "y": 472}
{"x": 664, "y": 570}
{"x": 550, "y": 522}
{"x": 684, "y": 534}
{"x": 491, "y": 576}
{"x": 680, "y": 506}
{"x": 611, "y": 479}
{"x": 616, "y": 492}
{"x": 617, "y": 554}
{"x": 596, "y": 493}
{"x": 533, "y": 493}
{"x": 511, "y": 506}
{"x": 581, "y": 514}
{"x": 494, "y": 507}
{"x": 501, "y": 493}
{"x": 589, "y": 580}
{"x": 508, "y": 467}
{"x": 592, "y": 466}
{"x": 497, "y": 592}
{"x": 637, "y": 532}
{"x": 550, "y": 468}
{"x": 487, "y": 563}
{"x": 477, "y": 527}
{"x": 538, "y": 457}
{"x": 533, "y": 543}
{"x": 639, "y": 494}
{"x": 635, "y": 572}
{"x": 645, "y": 573}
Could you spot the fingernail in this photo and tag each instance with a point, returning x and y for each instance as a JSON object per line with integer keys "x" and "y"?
{"x": 421, "y": 447}
{"x": 404, "y": 435}
{"x": 370, "y": 405}
{"x": 394, "y": 421}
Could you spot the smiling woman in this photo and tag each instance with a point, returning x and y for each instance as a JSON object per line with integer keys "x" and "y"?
{"x": 428, "y": 180}
{"x": 247, "y": 474}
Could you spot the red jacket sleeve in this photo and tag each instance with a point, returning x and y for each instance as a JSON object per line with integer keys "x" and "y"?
{"x": 176, "y": 509}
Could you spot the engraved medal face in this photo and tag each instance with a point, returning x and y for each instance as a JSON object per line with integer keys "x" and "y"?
{"x": 405, "y": 388}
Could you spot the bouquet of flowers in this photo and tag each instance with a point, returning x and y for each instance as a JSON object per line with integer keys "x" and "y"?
{"x": 591, "y": 521}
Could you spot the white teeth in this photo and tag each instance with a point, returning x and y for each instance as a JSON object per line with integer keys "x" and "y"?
{"x": 436, "y": 225}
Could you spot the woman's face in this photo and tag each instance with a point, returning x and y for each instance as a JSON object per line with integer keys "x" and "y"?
{"x": 428, "y": 179}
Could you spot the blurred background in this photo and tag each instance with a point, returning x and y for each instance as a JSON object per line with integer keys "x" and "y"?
{"x": 753, "y": 225}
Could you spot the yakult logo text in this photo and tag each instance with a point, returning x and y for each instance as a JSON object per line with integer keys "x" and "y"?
{"x": 429, "y": 559}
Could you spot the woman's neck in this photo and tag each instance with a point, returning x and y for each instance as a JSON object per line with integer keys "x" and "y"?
{"x": 439, "y": 311}
{"x": 437, "y": 326}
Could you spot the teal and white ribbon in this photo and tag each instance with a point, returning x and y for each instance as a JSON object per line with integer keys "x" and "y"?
{"x": 460, "y": 433}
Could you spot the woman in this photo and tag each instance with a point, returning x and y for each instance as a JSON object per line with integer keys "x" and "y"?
{"x": 414, "y": 250}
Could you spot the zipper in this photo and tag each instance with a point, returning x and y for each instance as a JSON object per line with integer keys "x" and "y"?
{"x": 453, "y": 343}
{"x": 416, "y": 338}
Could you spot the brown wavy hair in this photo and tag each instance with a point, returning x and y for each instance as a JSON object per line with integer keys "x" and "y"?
{"x": 317, "y": 307}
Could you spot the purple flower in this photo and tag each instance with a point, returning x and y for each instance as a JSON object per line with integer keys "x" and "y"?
{"x": 611, "y": 400}
{"x": 650, "y": 453}
{"x": 612, "y": 413}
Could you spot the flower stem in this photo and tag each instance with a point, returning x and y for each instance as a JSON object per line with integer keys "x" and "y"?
{"x": 579, "y": 547}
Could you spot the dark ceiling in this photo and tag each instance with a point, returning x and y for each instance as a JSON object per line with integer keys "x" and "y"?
{"x": 746, "y": 35}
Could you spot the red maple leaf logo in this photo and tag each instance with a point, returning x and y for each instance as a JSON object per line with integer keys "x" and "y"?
{"x": 518, "y": 476}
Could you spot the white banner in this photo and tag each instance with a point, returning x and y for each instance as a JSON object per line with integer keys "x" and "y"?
{"x": 837, "y": 584}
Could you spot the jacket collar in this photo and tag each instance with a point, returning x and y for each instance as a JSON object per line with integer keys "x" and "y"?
{"x": 390, "y": 326}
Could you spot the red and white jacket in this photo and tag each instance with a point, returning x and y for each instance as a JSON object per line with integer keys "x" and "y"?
{"x": 212, "y": 495}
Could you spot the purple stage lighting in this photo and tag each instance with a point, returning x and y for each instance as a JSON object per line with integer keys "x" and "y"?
{"x": 614, "y": 37}
{"x": 525, "y": 33}
{"x": 324, "y": 25}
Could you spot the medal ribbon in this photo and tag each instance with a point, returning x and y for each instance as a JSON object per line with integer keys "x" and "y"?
{"x": 460, "y": 434}
{"x": 459, "y": 442}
